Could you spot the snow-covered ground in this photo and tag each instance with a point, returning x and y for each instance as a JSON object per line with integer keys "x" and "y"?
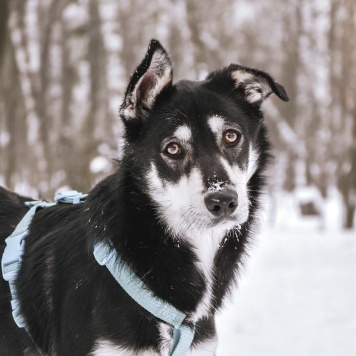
{"x": 296, "y": 296}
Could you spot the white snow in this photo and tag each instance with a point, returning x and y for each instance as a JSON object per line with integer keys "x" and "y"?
{"x": 99, "y": 164}
{"x": 296, "y": 296}
{"x": 4, "y": 138}
{"x": 216, "y": 186}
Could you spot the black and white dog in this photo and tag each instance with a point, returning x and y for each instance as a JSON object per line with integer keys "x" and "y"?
{"x": 179, "y": 210}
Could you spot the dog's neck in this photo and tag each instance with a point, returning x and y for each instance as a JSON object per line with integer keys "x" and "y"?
{"x": 181, "y": 271}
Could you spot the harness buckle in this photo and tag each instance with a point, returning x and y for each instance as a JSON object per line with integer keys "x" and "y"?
{"x": 70, "y": 197}
{"x": 12, "y": 256}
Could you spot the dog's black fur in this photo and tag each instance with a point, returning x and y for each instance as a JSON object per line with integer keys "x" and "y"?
{"x": 67, "y": 299}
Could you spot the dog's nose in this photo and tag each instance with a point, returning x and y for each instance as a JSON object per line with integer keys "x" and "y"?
{"x": 222, "y": 203}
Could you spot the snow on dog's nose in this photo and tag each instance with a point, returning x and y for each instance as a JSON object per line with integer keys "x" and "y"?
{"x": 222, "y": 203}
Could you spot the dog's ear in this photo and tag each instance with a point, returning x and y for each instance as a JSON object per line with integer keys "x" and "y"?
{"x": 254, "y": 84}
{"x": 149, "y": 79}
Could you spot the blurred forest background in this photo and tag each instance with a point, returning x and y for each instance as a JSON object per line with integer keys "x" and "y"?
{"x": 64, "y": 66}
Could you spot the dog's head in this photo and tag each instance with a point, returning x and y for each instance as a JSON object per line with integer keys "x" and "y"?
{"x": 194, "y": 146}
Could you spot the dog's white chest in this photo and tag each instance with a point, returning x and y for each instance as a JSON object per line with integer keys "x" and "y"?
{"x": 105, "y": 347}
{"x": 206, "y": 245}
{"x": 206, "y": 348}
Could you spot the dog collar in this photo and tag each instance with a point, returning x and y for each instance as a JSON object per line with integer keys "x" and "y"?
{"x": 183, "y": 334}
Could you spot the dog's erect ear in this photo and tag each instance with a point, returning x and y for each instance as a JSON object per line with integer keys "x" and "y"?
{"x": 254, "y": 84}
{"x": 147, "y": 82}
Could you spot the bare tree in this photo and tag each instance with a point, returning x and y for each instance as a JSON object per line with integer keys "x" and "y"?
{"x": 64, "y": 65}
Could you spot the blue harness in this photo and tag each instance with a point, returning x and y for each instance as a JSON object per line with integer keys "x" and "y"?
{"x": 105, "y": 255}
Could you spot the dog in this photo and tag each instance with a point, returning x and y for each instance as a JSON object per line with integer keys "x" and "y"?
{"x": 179, "y": 210}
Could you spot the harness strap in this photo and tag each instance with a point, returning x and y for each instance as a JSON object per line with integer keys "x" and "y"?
{"x": 14, "y": 249}
{"x": 182, "y": 340}
{"x": 183, "y": 333}
{"x": 70, "y": 197}
{"x": 12, "y": 256}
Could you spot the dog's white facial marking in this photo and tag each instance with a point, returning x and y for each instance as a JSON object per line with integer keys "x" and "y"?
{"x": 155, "y": 182}
{"x": 238, "y": 179}
{"x": 104, "y": 347}
{"x": 252, "y": 162}
{"x": 180, "y": 205}
{"x": 183, "y": 133}
{"x": 216, "y": 124}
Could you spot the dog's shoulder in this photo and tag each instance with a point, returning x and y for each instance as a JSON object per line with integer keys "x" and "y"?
{"x": 7, "y": 197}
{"x": 12, "y": 209}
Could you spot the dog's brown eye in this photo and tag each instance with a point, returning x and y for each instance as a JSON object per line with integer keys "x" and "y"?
{"x": 231, "y": 136}
{"x": 173, "y": 149}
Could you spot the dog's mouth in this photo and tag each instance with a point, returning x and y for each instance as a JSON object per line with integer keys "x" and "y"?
{"x": 229, "y": 220}
{"x": 223, "y": 221}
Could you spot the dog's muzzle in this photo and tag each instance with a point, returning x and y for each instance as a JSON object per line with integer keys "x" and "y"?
{"x": 222, "y": 204}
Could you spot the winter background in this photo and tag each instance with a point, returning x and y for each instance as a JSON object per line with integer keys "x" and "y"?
{"x": 64, "y": 65}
